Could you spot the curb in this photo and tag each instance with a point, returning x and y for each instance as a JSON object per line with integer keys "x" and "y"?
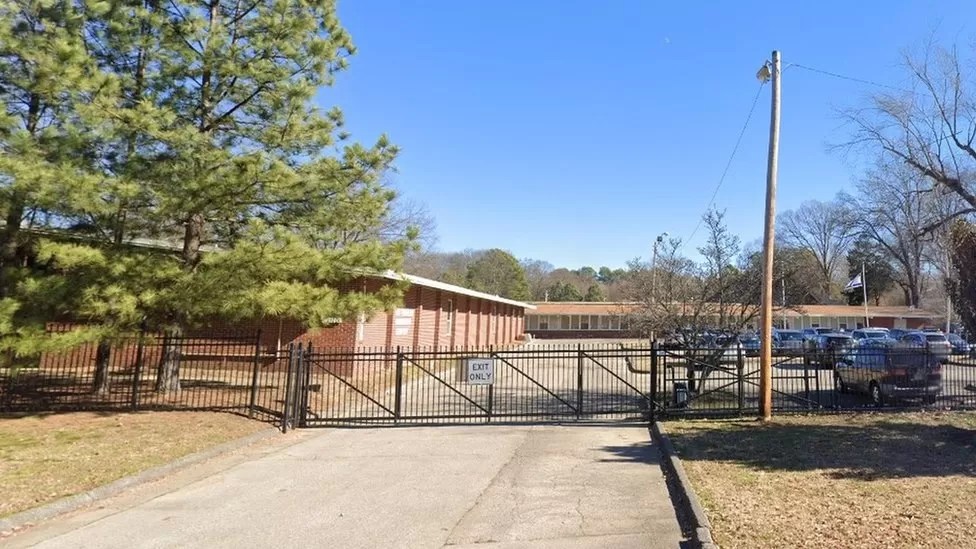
{"x": 27, "y": 518}
{"x": 701, "y": 527}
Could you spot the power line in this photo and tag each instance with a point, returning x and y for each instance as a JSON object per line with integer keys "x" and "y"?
{"x": 728, "y": 164}
{"x": 845, "y": 77}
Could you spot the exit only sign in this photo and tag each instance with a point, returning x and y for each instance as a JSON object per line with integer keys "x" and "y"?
{"x": 479, "y": 371}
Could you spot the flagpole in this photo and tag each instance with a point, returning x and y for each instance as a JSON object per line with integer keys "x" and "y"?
{"x": 864, "y": 289}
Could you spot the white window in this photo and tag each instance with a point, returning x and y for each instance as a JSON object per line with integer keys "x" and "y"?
{"x": 450, "y": 315}
{"x": 574, "y": 323}
{"x": 584, "y": 322}
{"x": 564, "y": 322}
{"x": 543, "y": 322}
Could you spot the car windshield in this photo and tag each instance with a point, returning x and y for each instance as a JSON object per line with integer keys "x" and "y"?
{"x": 749, "y": 339}
{"x": 790, "y": 336}
{"x": 935, "y": 337}
{"x": 875, "y": 335}
{"x": 839, "y": 341}
{"x": 954, "y": 338}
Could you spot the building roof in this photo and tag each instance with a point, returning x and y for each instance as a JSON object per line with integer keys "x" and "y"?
{"x": 619, "y": 308}
{"x": 899, "y": 311}
{"x": 583, "y": 308}
{"x": 428, "y": 283}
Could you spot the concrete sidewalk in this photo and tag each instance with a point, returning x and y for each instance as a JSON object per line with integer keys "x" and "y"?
{"x": 496, "y": 486}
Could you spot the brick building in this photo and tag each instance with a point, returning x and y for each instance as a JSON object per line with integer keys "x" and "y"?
{"x": 433, "y": 314}
{"x": 574, "y": 320}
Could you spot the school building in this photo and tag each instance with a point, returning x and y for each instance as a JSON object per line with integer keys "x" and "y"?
{"x": 575, "y": 320}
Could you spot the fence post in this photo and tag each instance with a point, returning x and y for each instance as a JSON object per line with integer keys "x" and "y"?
{"x": 579, "y": 381}
{"x": 806, "y": 375}
{"x": 137, "y": 370}
{"x": 398, "y": 393}
{"x": 653, "y": 403}
{"x": 303, "y": 388}
{"x": 288, "y": 387}
{"x": 740, "y": 367}
{"x": 254, "y": 376}
{"x": 491, "y": 387}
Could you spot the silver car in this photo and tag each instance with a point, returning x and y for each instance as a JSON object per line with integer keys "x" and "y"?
{"x": 788, "y": 342}
{"x": 934, "y": 343}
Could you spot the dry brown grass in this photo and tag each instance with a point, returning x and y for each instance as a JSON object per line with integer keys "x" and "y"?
{"x": 868, "y": 480}
{"x": 47, "y": 457}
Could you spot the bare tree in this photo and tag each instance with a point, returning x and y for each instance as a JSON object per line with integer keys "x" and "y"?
{"x": 930, "y": 127}
{"x": 894, "y": 210}
{"x": 682, "y": 296}
{"x": 827, "y": 230}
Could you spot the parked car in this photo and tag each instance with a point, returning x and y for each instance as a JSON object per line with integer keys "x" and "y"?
{"x": 811, "y": 333}
{"x": 886, "y": 372}
{"x": 896, "y": 333}
{"x": 870, "y": 333}
{"x": 931, "y": 343}
{"x": 959, "y": 345}
{"x": 828, "y": 348}
{"x": 750, "y": 344}
{"x": 715, "y": 349}
{"x": 788, "y": 342}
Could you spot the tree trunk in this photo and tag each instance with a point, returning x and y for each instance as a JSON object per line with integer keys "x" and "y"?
{"x": 9, "y": 245}
{"x": 102, "y": 356}
{"x": 168, "y": 373}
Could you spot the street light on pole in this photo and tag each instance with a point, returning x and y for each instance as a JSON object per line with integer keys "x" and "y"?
{"x": 660, "y": 238}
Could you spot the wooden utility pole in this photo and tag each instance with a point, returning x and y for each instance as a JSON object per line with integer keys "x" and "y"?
{"x": 766, "y": 314}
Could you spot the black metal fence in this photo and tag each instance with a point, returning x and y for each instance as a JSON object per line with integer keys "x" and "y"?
{"x": 727, "y": 382}
{"x": 306, "y": 386}
{"x": 150, "y": 372}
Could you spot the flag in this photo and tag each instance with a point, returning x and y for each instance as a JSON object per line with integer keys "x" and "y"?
{"x": 855, "y": 283}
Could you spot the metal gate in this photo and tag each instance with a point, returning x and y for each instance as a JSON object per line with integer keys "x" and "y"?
{"x": 417, "y": 386}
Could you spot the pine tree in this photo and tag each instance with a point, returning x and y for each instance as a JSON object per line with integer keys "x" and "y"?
{"x": 210, "y": 147}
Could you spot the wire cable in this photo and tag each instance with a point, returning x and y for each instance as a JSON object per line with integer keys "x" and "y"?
{"x": 728, "y": 164}
{"x": 845, "y": 77}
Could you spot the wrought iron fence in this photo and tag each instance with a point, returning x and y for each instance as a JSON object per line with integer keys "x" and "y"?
{"x": 307, "y": 386}
{"x": 218, "y": 372}
{"x": 723, "y": 382}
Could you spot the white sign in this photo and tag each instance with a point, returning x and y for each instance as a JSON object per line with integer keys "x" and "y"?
{"x": 403, "y": 318}
{"x": 479, "y": 371}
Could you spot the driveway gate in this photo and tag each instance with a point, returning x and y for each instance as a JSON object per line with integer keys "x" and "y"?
{"x": 535, "y": 383}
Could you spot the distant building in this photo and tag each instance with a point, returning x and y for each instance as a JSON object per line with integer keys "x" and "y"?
{"x": 572, "y": 320}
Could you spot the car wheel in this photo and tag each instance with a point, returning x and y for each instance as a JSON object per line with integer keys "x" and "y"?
{"x": 839, "y": 384}
{"x": 877, "y": 397}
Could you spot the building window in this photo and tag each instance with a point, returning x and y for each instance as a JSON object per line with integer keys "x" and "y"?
{"x": 543, "y": 322}
{"x": 532, "y": 322}
{"x": 450, "y": 315}
{"x": 604, "y": 322}
{"x": 574, "y": 323}
{"x": 614, "y": 322}
{"x": 594, "y": 322}
{"x": 564, "y": 322}
{"x": 843, "y": 325}
{"x": 584, "y": 322}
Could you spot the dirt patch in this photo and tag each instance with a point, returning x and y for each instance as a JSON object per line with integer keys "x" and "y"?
{"x": 47, "y": 457}
{"x": 865, "y": 480}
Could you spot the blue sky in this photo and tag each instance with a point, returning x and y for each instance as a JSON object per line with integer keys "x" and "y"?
{"x": 575, "y": 132}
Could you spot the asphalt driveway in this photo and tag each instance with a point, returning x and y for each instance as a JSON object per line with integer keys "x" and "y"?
{"x": 479, "y": 486}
